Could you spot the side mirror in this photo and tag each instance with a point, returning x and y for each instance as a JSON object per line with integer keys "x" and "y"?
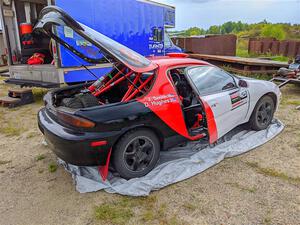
{"x": 243, "y": 83}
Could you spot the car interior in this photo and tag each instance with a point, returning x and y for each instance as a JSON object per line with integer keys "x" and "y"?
{"x": 191, "y": 105}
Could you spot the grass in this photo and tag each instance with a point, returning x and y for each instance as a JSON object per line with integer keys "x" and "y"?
{"x": 267, "y": 221}
{"x": 261, "y": 76}
{"x": 40, "y": 157}
{"x": 155, "y": 214}
{"x": 242, "y": 188}
{"x": 273, "y": 173}
{"x": 242, "y": 51}
{"x": 9, "y": 129}
{"x": 31, "y": 135}
{"x": 52, "y": 167}
{"x": 38, "y": 94}
{"x": 144, "y": 209}
{"x": 4, "y": 162}
{"x": 280, "y": 58}
{"x": 293, "y": 102}
{"x": 286, "y": 100}
{"x": 189, "y": 206}
{"x": 114, "y": 213}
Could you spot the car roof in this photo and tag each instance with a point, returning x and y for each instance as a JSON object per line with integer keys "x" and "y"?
{"x": 168, "y": 61}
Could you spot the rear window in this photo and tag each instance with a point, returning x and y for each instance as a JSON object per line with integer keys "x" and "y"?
{"x": 123, "y": 53}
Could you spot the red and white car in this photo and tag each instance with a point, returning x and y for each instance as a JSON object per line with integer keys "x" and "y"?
{"x": 144, "y": 105}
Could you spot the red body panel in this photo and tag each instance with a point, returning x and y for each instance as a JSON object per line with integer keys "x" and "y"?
{"x": 164, "y": 101}
{"x": 211, "y": 123}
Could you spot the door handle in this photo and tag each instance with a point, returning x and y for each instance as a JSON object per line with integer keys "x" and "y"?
{"x": 213, "y": 104}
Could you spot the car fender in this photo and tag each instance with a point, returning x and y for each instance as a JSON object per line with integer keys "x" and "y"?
{"x": 257, "y": 89}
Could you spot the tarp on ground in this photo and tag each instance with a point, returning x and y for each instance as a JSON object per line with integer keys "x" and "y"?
{"x": 176, "y": 164}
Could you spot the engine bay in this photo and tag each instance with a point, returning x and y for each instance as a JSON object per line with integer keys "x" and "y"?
{"x": 120, "y": 85}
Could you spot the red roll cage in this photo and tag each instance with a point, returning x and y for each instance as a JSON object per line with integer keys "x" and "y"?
{"x": 135, "y": 84}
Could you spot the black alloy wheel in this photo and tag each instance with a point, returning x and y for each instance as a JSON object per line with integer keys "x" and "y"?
{"x": 263, "y": 113}
{"x": 136, "y": 153}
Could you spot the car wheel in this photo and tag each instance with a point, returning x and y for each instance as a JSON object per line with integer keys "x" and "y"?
{"x": 136, "y": 153}
{"x": 263, "y": 113}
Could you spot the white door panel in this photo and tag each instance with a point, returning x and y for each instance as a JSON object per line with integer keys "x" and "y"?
{"x": 228, "y": 102}
{"x": 230, "y": 109}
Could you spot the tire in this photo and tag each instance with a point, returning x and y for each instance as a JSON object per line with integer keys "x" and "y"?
{"x": 88, "y": 100}
{"x": 80, "y": 101}
{"x": 262, "y": 114}
{"x": 135, "y": 146}
{"x": 73, "y": 103}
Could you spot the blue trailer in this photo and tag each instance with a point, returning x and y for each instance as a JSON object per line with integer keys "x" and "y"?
{"x": 138, "y": 24}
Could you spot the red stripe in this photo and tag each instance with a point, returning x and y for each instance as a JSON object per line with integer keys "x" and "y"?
{"x": 103, "y": 170}
{"x": 234, "y": 95}
{"x": 211, "y": 123}
{"x": 237, "y": 103}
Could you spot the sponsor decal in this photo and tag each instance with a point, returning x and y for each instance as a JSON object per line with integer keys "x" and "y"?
{"x": 160, "y": 100}
{"x": 238, "y": 99}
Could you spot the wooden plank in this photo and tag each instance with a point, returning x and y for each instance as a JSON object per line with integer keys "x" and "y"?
{"x": 20, "y": 90}
{"x": 7, "y": 99}
{"x": 241, "y": 60}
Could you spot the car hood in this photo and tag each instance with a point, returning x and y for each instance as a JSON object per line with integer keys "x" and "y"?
{"x": 88, "y": 44}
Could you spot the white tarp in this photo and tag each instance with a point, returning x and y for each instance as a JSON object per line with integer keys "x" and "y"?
{"x": 175, "y": 165}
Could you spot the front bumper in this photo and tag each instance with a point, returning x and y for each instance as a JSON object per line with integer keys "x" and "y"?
{"x": 73, "y": 146}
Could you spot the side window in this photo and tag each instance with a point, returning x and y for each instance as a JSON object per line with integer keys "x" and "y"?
{"x": 168, "y": 42}
{"x": 157, "y": 34}
{"x": 209, "y": 79}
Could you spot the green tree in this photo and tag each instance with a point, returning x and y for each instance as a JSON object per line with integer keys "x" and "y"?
{"x": 194, "y": 31}
{"x": 273, "y": 31}
{"x": 214, "y": 30}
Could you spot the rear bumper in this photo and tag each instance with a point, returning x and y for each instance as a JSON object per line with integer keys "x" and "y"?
{"x": 73, "y": 146}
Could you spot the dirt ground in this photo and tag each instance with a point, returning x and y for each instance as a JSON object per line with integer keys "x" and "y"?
{"x": 260, "y": 187}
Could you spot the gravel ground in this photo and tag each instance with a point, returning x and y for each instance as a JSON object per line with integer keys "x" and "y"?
{"x": 260, "y": 187}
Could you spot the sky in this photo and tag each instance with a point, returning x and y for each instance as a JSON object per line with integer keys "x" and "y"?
{"x": 204, "y": 13}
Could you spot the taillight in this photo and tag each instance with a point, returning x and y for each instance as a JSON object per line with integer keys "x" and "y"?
{"x": 75, "y": 120}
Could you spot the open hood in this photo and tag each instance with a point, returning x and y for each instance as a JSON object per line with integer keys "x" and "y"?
{"x": 88, "y": 44}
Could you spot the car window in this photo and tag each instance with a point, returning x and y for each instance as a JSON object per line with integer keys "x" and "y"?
{"x": 81, "y": 45}
{"x": 168, "y": 42}
{"x": 209, "y": 79}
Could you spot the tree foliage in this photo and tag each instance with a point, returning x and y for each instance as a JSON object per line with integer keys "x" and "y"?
{"x": 195, "y": 31}
{"x": 273, "y": 31}
{"x": 279, "y": 31}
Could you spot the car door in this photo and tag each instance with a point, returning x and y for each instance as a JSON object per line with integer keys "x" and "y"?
{"x": 219, "y": 91}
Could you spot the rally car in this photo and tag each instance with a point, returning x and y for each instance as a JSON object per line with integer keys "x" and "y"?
{"x": 143, "y": 105}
